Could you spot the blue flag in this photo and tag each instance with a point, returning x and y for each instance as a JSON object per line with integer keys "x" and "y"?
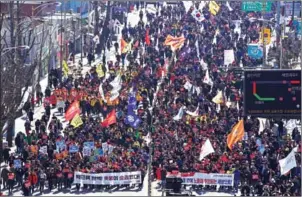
{"x": 131, "y": 102}
{"x": 255, "y": 51}
{"x": 132, "y": 120}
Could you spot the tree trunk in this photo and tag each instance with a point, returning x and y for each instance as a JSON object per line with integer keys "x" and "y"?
{"x": 103, "y": 38}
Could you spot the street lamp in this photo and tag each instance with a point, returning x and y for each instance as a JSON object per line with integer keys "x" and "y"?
{"x": 42, "y": 6}
{"x": 5, "y": 50}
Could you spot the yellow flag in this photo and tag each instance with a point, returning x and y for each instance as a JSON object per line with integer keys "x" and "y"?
{"x": 127, "y": 48}
{"x": 99, "y": 70}
{"x": 219, "y": 98}
{"x": 65, "y": 68}
{"x": 214, "y": 7}
{"x": 267, "y": 36}
{"x": 76, "y": 121}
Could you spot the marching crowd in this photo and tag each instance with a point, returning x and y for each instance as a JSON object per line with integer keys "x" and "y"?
{"x": 161, "y": 81}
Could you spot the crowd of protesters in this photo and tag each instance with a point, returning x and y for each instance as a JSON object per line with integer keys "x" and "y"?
{"x": 175, "y": 145}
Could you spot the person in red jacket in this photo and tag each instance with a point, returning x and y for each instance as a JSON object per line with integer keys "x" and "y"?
{"x": 33, "y": 179}
{"x": 11, "y": 180}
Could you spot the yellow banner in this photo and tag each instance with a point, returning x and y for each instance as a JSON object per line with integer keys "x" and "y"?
{"x": 267, "y": 36}
{"x": 65, "y": 68}
{"x": 214, "y": 7}
{"x": 76, "y": 121}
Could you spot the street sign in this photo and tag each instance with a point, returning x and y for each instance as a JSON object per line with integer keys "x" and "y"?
{"x": 290, "y": 7}
{"x": 254, "y": 6}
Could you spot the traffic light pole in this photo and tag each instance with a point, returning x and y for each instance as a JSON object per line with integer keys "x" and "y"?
{"x": 263, "y": 37}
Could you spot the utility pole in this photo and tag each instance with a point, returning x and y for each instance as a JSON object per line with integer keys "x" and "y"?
{"x": 263, "y": 28}
{"x": 61, "y": 44}
{"x": 81, "y": 27}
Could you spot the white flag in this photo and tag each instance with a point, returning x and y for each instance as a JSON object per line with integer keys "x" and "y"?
{"x": 116, "y": 81}
{"x": 197, "y": 89}
{"x": 195, "y": 113}
{"x": 180, "y": 114}
{"x": 263, "y": 124}
{"x": 206, "y": 149}
{"x": 102, "y": 92}
{"x": 288, "y": 163}
{"x": 114, "y": 95}
{"x": 116, "y": 84}
{"x": 203, "y": 65}
{"x": 207, "y": 78}
{"x": 188, "y": 85}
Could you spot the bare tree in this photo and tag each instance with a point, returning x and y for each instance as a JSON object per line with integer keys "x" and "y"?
{"x": 15, "y": 76}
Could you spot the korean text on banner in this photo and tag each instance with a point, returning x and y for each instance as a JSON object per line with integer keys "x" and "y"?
{"x": 207, "y": 179}
{"x": 119, "y": 178}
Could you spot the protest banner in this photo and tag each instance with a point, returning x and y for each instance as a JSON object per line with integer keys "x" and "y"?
{"x": 60, "y": 146}
{"x": 89, "y": 144}
{"x": 86, "y": 151}
{"x": 206, "y": 179}
{"x": 43, "y": 150}
{"x": 17, "y": 163}
{"x": 119, "y": 178}
{"x": 105, "y": 147}
{"x": 229, "y": 57}
{"x": 73, "y": 149}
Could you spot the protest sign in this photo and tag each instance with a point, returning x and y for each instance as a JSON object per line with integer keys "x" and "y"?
{"x": 119, "y": 178}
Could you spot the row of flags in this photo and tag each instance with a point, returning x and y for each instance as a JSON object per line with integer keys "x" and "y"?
{"x": 126, "y": 46}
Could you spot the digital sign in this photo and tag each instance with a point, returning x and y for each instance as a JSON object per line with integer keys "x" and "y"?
{"x": 271, "y": 93}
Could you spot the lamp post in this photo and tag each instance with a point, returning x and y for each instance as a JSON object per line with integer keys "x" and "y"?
{"x": 44, "y": 5}
{"x": 6, "y": 50}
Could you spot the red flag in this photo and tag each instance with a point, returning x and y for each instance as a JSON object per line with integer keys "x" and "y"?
{"x": 110, "y": 119}
{"x": 72, "y": 110}
{"x": 147, "y": 38}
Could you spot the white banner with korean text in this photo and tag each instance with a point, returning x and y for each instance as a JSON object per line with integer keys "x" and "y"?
{"x": 118, "y": 178}
{"x": 205, "y": 179}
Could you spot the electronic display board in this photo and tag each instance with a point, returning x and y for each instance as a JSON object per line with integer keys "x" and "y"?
{"x": 271, "y": 93}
